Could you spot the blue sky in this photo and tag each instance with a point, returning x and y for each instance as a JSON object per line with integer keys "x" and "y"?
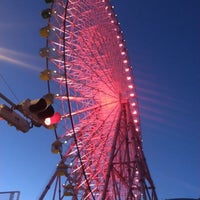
{"x": 164, "y": 47}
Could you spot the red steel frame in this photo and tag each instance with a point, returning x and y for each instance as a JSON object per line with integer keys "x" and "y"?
{"x": 92, "y": 78}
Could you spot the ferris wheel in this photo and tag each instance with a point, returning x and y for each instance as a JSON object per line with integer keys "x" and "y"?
{"x": 89, "y": 72}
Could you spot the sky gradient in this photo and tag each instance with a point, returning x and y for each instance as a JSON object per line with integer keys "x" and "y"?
{"x": 163, "y": 42}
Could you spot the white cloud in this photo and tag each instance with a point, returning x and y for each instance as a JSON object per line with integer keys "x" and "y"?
{"x": 17, "y": 58}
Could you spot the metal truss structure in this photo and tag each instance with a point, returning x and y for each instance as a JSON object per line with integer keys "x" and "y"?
{"x": 99, "y": 138}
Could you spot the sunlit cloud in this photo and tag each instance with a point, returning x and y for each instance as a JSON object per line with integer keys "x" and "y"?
{"x": 17, "y": 58}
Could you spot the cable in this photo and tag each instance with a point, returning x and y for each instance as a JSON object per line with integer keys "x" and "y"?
{"x": 9, "y": 88}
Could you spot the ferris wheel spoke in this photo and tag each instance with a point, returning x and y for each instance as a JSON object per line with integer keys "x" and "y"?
{"x": 98, "y": 58}
{"x": 76, "y": 54}
{"x": 97, "y": 147}
{"x": 93, "y": 74}
{"x": 87, "y": 109}
{"x": 72, "y": 81}
{"x": 98, "y": 127}
{"x": 89, "y": 137}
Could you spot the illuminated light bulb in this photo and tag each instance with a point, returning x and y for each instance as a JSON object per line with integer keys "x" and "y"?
{"x": 128, "y": 78}
{"x": 48, "y": 121}
{"x": 135, "y": 120}
{"x": 127, "y": 70}
{"x": 53, "y": 120}
{"x": 136, "y": 180}
{"x": 122, "y": 53}
{"x": 133, "y": 104}
{"x": 118, "y": 36}
{"x": 125, "y": 61}
{"x": 112, "y": 21}
{"x": 132, "y": 94}
{"x": 120, "y": 44}
{"x": 135, "y": 112}
{"x": 137, "y": 129}
{"x": 130, "y": 86}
